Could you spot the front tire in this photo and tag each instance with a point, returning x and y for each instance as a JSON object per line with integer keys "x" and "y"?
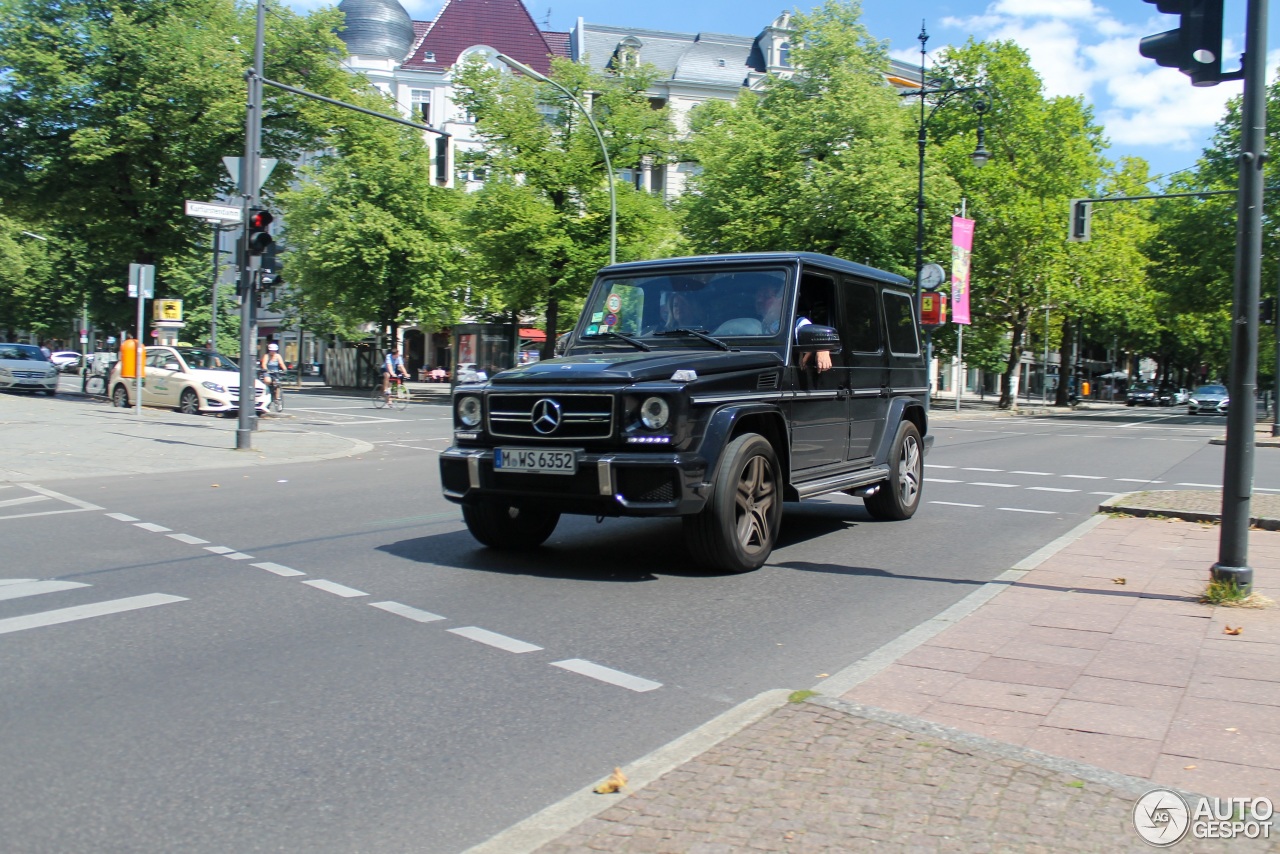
{"x": 738, "y": 528}
{"x": 120, "y": 397}
{"x": 501, "y": 525}
{"x": 189, "y": 403}
{"x": 899, "y": 496}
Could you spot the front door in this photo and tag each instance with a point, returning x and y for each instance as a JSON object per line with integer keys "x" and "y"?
{"x": 820, "y": 398}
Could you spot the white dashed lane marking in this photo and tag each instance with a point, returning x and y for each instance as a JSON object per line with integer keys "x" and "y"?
{"x": 22, "y": 588}
{"x": 999, "y": 485}
{"x": 1049, "y": 489}
{"x": 607, "y": 674}
{"x": 335, "y": 588}
{"x": 494, "y": 639}
{"x": 152, "y": 527}
{"x": 219, "y": 550}
{"x": 1023, "y": 510}
{"x": 277, "y": 569}
{"x": 955, "y": 504}
{"x": 407, "y": 611}
{"x": 188, "y": 539}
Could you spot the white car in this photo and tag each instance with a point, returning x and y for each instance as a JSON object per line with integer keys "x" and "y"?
{"x": 190, "y": 379}
{"x": 470, "y": 372}
{"x": 24, "y": 367}
{"x": 66, "y": 361}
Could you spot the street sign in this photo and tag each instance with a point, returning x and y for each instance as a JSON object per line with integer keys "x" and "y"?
{"x": 265, "y": 165}
{"x": 143, "y": 275}
{"x": 214, "y": 210}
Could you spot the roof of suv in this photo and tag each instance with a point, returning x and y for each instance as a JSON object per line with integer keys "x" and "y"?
{"x": 828, "y": 261}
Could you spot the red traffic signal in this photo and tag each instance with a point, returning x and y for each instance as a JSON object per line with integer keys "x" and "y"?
{"x": 259, "y": 237}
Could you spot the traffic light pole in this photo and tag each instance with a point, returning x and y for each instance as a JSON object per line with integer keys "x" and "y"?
{"x": 250, "y": 177}
{"x": 1237, "y": 480}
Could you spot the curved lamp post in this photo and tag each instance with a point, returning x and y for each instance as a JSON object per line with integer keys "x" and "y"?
{"x": 980, "y": 156}
{"x": 608, "y": 166}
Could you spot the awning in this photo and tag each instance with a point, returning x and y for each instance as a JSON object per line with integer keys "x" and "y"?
{"x": 533, "y": 335}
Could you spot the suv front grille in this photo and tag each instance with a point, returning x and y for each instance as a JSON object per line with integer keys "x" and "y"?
{"x": 551, "y": 416}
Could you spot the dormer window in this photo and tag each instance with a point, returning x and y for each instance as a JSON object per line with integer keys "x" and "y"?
{"x": 627, "y": 54}
{"x": 784, "y": 54}
{"x": 429, "y": 56}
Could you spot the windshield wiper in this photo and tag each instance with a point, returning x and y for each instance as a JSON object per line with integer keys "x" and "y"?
{"x": 697, "y": 333}
{"x": 634, "y": 342}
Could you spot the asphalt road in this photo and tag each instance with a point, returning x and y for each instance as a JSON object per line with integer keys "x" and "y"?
{"x": 319, "y": 657}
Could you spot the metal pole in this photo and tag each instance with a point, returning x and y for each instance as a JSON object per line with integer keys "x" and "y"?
{"x": 213, "y": 290}
{"x": 138, "y": 362}
{"x": 960, "y": 372}
{"x": 1275, "y": 385}
{"x": 1237, "y": 480}
{"x": 249, "y": 179}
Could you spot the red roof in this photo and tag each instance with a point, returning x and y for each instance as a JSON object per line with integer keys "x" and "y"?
{"x": 501, "y": 24}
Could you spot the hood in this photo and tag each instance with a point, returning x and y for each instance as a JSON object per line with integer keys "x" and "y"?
{"x": 635, "y": 367}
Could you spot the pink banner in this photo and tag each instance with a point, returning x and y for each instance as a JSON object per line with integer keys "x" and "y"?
{"x": 961, "y": 252}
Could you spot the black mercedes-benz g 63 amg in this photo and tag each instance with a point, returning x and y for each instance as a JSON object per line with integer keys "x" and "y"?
{"x": 712, "y": 388}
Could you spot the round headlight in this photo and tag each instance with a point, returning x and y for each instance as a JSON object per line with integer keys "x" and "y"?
{"x": 469, "y": 411}
{"x": 654, "y": 413}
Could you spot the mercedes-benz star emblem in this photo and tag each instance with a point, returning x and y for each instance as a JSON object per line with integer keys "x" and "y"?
{"x": 545, "y": 416}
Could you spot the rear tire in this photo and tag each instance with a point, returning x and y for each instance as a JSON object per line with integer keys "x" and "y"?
{"x": 899, "y": 496}
{"x": 737, "y": 529}
{"x": 501, "y": 525}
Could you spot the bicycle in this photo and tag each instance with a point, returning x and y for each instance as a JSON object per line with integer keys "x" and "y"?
{"x": 397, "y": 398}
{"x": 274, "y": 382}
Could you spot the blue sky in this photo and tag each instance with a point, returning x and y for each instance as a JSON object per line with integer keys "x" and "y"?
{"x": 1079, "y": 47}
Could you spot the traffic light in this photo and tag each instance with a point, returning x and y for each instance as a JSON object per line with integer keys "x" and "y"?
{"x": 442, "y": 160}
{"x": 1267, "y": 311}
{"x": 1195, "y": 47}
{"x": 260, "y": 238}
{"x": 1081, "y": 220}
{"x": 269, "y": 278}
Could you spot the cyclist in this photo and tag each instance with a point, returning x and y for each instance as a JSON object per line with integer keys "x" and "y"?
{"x": 273, "y": 369}
{"x": 392, "y": 366}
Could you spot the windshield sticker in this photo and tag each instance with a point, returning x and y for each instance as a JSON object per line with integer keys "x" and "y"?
{"x": 597, "y": 317}
{"x": 610, "y": 320}
{"x": 593, "y": 329}
{"x": 613, "y": 303}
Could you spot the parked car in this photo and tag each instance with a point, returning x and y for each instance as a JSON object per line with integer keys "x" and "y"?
{"x": 66, "y": 361}
{"x": 1209, "y": 399}
{"x": 190, "y": 379}
{"x": 23, "y": 367}
{"x": 1170, "y": 396}
{"x": 1141, "y": 393}
{"x": 470, "y": 372}
{"x": 797, "y": 375}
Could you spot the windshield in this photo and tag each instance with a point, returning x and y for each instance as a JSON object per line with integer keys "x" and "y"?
{"x": 207, "y": 360}
{"x": 21, "y": 353}
{"x": 721, "y": 303}
{"x": 1211, "y": 389}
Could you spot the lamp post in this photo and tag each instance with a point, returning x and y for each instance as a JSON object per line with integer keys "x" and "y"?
{"x": 608, "y": 167}
{"x": 980, "y": 156}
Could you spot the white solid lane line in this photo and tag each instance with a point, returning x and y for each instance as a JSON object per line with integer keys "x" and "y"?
{"x": 335, "y": 588}
{"x": 1000, "y": 485}
{"x": 607, "y": 674}
{"x": 83, "y": 505}
{"x": 1085, "y": 476}
{"x": 277, "y": 568}
{"x": 406, "y": 611}
{"x": 85, "y": 612}
{"x": 942, "y": 480}
{"x": 35, "y": 588}
{"x": 955, "y": 504}
{"x": 485, "y": 636}
{"x": 1204, "y": 485}
{"x": 975, "y": 468}
{"x": 1021, "y": 510}
{"x": 1037, "y": 473}
{"x": 1049, "y": 489}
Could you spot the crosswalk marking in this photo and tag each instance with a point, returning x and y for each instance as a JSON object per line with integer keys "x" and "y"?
{"x": 85, "y": 612}
{"x": 335, "y": 588}
{"x": 30, "y": 499}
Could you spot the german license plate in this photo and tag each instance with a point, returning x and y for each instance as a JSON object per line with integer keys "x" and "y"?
{"x": 535, "y": 460}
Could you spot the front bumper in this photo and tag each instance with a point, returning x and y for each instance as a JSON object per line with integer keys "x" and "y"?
{"x": 605, "y": 484}
{"x": 1209, "y": 406}
{"x": 28, "y": 381}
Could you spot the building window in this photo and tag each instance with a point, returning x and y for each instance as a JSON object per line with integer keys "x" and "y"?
{"x": 784, "y": 54}
{"x": 420, "y": 104}
{"x": 429, "y": 56}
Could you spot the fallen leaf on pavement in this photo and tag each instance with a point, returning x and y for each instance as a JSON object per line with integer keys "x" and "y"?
{"x": 1188, "y": 767}
{"x": 213, "y": 485}
{"x": 822, "y": 676}
{"x": 1117, "y": 581}
{"x": 616, "y": 782}
{"x": 1227, "y": 630}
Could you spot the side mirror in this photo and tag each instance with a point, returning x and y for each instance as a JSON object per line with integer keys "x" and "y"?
{"x": 811, "y": 338}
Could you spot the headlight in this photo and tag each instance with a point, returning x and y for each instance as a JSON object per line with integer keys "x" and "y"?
{"x": 214, "y": 387}
{"x": 654, "y": 413}
{"x": 469, "y": 411}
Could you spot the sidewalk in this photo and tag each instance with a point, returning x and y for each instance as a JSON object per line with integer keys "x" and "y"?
{"x": 75, "y": 436}
{"x": 1028, "y": 717}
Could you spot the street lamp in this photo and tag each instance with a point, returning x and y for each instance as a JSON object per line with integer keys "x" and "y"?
{"x": 980, "y": 156}
{"x": 608, "y": 167}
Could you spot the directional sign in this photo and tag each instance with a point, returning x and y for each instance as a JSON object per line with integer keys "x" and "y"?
{"x": 214, "y": 210}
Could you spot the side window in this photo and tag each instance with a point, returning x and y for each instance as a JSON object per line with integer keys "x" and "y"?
{"x": 861, "y": 321}
{"x": 157, "y": 358}
{"x": 900, "y": 324}
{"x": 816, "y": 300}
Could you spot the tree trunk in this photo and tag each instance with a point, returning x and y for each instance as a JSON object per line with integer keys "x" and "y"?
{"x": 553, "y": 318}
{"x": 1009, "y": 379}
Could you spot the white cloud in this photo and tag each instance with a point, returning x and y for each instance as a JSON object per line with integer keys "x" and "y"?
{"x": 1062, "y": 9}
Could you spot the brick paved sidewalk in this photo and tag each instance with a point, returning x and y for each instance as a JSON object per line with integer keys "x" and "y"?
{"x": 1029, "y": 723}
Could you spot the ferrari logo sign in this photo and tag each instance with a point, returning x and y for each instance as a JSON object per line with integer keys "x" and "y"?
{"x": 167, "y": 309}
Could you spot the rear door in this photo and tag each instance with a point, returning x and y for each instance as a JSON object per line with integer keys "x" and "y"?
{"x": 864, "y": 359}
{"x": 157, "y": 385}
{"x": 907, "y": 374}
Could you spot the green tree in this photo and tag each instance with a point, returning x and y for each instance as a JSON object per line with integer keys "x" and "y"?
{"x": 539, "y": 229}
{"x": 370, "y": 239}
{"x": 114, "y": 112}
{"x": 822, "y": 160}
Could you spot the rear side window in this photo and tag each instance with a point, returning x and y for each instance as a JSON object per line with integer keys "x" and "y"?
{"x": 900, "y": 325}
{"x": 861, "y": 319}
